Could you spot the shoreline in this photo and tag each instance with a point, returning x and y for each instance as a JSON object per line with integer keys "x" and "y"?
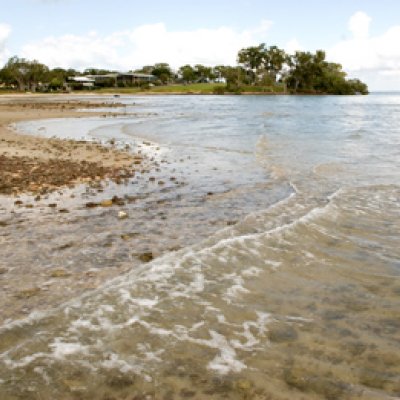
{"x": 37, "y": 164}
{"x": 48, "y": 186}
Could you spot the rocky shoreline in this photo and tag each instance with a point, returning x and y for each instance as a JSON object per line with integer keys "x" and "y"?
{"x": 49, "y": 187}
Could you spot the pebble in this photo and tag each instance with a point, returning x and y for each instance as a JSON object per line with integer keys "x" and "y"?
{"x": 106, "y": 203}
{"x": 122, "y": 215}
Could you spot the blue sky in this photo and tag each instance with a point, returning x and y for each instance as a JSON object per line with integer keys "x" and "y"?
{"x": 363, "y": 35}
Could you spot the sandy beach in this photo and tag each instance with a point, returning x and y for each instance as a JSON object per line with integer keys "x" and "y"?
{"x": 41, "y": 175}
{"x": 38, "y": 165}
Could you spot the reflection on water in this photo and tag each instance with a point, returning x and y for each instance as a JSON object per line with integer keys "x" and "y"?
{"x": 286, "y": 284}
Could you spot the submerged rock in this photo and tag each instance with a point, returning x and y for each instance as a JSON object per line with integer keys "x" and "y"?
{"x": 146, "y": 256}
{"x": 285, "y": 333}
{"x": 59, "y": 273}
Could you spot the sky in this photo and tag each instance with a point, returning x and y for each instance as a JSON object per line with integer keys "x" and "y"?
{"x": 362, "y": 35}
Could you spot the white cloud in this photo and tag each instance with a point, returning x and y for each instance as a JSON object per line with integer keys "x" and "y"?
{"x": 5, "y": 31}
{"x": 359, "y": 25}
{"x": 375, "y": 59}
{"x": 292, "y": 46}
{"x": 146, "y": 44}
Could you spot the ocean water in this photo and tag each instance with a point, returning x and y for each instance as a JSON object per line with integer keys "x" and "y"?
{"x": 278, "y": 274}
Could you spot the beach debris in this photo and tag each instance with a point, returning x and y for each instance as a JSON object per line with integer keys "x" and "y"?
{"x": 122, "y": 215}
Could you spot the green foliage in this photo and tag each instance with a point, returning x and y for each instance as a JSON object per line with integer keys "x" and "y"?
{"x": 26, "y": 75}
{"x": 188, "y": 73}
{"x": 163, "y": 72}
{"x": 261, "y": 69}
{"x": 219, "y": 90}
{"x": 310, "y": 73}
{"x": 55, "y": 84}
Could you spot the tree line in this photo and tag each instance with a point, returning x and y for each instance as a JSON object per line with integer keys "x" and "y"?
{"x": 259, "y": 68}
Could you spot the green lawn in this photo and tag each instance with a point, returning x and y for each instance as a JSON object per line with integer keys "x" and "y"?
{"x": 203, "y": 88}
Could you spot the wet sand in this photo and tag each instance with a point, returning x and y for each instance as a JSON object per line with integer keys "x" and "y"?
{"x": 41, "y": 181}
{"x": 38, "y": 165}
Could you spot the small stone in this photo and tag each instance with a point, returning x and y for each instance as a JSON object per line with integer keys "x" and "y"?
{"x": 118, "y": 201}
{"x": 59, "y": 273}
{"x": 244, "y": 385}
{"x": 122, "y": 215}
{"x": 146, "y": 257}
{"x": 284, "y": 333}
{"x": 52, "y": 205}
{"x": 127, "y": 236}
{"x": 91, "y": 204}
{"x": 106, "y": 203}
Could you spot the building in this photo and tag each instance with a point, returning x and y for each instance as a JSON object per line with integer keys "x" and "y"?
{"x": 81, "y": 82}
{"x": 122, "y": 79}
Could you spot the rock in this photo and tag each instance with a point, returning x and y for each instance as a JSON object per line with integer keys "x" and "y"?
{"x": 52, "y": 205}
{"x": 146, "y": 257}
{"x": 122, "y": 215}
{"x": 244, "y": 385}
{"x": 91, "y": 204}
{"x": 59, "y": 273}
{"x": 106, "y": 203}
{"x": 284, "y": 333}
{"x": 118, "y": 201}
{"x": 127, "y": 236}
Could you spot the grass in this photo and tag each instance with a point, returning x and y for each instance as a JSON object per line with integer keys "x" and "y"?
{"x": 195, "y": 88}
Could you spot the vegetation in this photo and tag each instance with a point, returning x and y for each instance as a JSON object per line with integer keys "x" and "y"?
{"x": 260, "y": 69}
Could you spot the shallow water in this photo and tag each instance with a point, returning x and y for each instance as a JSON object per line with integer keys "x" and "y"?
{"x": 284, "y": 279}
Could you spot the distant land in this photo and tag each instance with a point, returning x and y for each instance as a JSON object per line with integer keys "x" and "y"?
{"x": 260, "y": 70}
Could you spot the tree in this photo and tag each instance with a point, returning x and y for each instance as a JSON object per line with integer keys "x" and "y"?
{"x": 252, "y": 57}
{"x": 163, "y": 72}
{"x": 25, "y": 74}
{"x": 188, "y": 73}
{"x": 203, "y": 73}
{"x": 273, "y": 60}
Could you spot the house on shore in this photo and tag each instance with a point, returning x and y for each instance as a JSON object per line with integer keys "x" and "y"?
{"x": 122, "y": 79}
{"x": 81, "y": 82}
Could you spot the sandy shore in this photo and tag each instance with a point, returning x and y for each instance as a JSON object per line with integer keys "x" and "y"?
{"x": 50, "y": 188}
{"x": 38, "y": 165}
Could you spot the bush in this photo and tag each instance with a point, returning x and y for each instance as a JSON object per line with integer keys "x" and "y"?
{"x": 219, "y": 90}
